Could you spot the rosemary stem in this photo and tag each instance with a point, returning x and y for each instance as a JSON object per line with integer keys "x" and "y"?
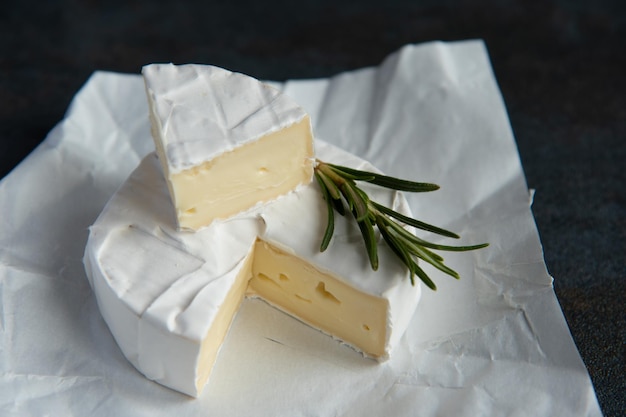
{"x": 338, "y": 181}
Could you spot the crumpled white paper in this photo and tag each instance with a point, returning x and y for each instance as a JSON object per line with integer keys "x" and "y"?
{"x": 493, "y": 343}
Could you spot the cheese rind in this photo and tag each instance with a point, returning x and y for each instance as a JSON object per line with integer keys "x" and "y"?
{"x": 240, "y": 140}
{"x": 170, "y": 306}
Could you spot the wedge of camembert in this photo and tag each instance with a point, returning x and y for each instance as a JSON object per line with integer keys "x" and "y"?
{"x": 239, "y": 140}
{"x": 169, "y": 296}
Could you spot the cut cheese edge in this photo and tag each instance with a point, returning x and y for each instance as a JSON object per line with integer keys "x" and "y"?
{"x": 254, "y": 145}
{"x": 171, "y": 305}
{"x": 320, "y": 299}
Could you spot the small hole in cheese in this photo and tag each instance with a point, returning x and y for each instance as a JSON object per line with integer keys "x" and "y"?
{"x": 265, "y": 278}
{"x": 283, "y": 277}
{"x": 321, "y": 290}
{"x": 366, "y": 327}
{"x": 263, "y": 171}
{"x": 192, "y": 210}
{"x": 298, "y": 296}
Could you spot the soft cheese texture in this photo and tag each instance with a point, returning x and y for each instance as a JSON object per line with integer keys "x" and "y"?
{"x": 169, "y": 296}
{"x": 241, "y": 141}
{"x": 318, "y": 298}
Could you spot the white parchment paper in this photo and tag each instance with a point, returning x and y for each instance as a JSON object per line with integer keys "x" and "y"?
{"x": 494, "y": 343}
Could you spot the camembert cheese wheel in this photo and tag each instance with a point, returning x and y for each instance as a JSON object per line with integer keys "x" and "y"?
{"x": 228, "y": 133}
{"x": 169, "y": 296}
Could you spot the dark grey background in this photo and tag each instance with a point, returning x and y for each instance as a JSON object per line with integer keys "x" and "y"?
{"x": 560, "y": 65}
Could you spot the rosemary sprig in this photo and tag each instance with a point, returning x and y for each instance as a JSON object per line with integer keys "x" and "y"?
{"x": 338, "y": 184}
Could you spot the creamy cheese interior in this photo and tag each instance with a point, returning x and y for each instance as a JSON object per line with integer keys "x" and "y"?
{"x": 237, "y": 180}
{"x": 319, "y": 299}
{"x": 216, "y": 334}
{"x": 312, "y": 296}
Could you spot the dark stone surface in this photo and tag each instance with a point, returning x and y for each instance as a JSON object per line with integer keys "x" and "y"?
{"x": 560, "y": 66}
